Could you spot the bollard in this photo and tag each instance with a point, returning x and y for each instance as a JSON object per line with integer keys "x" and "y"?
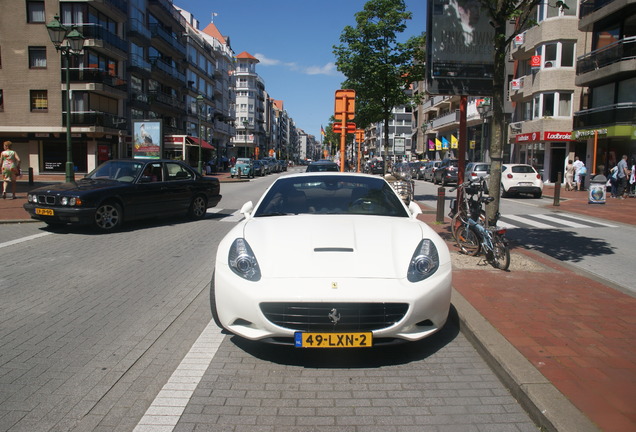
{"x": 557, "y": 191}
{"x": 441, "y": 198}
{"x": 30, "y": 176}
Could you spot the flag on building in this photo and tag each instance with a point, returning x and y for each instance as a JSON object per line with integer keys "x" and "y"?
{"x": 322, "y": 131}
{"x": 454, "y": 142}
{"x": 438, "y": 144}
{"x": 431, "y": 144}
{"x": 445, "y": 143}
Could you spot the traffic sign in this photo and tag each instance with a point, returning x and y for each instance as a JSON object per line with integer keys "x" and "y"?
{"x": 337, "y": 128}
{"x": 345, "y": 104}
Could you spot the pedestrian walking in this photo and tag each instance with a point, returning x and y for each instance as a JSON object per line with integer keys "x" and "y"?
{"x": 613, "y": 179}
{"x": 578, "y": 163}
{"x": 10, "y": 162}
{"x": 580, "y": 185}
{"x": 622, "y": 175}
{"x": 569, "y": 176}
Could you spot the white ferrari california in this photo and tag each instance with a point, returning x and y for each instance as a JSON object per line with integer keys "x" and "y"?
{"x": 356, "y": 269}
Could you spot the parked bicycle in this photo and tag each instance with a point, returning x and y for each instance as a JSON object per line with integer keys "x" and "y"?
{"x": 471, "y": 230}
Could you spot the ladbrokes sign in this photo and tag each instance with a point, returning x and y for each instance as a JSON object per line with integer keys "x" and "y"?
{"x": 545, "y": 136}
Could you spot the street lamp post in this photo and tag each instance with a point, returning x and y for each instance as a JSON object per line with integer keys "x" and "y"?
{"x": 68, "y": 43}
{"x": 199, "y": 102}
{"x": 483, "y": 109}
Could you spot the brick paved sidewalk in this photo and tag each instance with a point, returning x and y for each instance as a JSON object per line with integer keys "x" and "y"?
{"x": 577, "y": 332}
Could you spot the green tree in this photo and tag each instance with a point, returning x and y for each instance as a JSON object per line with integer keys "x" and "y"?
{"x": 501, "y": 12}
{"x": 378, "y": 67}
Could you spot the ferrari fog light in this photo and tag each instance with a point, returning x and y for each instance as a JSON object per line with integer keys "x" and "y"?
{"x": 425, "y": 261}
{"x": 242, "y": 261}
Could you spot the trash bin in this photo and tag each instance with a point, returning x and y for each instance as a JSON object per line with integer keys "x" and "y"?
{"x": 597, "y": 190}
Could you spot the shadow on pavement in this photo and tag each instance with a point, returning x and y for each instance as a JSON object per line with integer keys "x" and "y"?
{"x": 560, "y": 244}
{"x": 354, "y": 358}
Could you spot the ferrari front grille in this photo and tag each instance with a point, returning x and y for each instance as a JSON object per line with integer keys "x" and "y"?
{"x": 341, "y": 317}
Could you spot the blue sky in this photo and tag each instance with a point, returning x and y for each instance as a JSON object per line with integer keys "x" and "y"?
{"x": 294, "y": 40}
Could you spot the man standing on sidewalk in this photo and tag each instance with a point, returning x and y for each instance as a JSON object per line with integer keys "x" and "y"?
{"x": 622, "y": 175}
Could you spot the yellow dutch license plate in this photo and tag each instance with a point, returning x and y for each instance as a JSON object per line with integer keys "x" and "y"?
{"x": 333, "y": 340}
{"x": 44, "y": 212}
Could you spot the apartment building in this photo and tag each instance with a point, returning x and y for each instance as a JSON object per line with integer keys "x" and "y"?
{"x": 33, "y": 97}
{"x": 142, "y": 60}
{"x": 543, "y": 90}
{"x": 605, "y": 126}
{"x": 249, "y": 89}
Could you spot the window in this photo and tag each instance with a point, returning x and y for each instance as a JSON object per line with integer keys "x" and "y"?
{"x": 557, "y": 54}
{"x": 553, "y": 104}
{"x": 35, "y": 12}
{"x": 39, "y": 101}
{"x": 37, "y": 57}
{"x": 565, "y": 104}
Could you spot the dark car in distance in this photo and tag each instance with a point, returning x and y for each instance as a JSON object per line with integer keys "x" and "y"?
{"x": 322, "y": 166}
{"x": 124, "y": 190}
{"x": 446, "y": 172}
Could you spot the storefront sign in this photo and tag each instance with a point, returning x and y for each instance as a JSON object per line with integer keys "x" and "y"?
{"x": 515, "y": 84}
{"x": 589, "y": 133}
{"x": 557, "y": 136}
{"x": 527, "y": 137}
{"x": 519, "y": 39}
{"x": 535, "y": 61}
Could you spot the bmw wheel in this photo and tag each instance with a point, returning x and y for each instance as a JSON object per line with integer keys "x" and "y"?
{"x": 198, "y": 207}
{"x": 108, "y": 216}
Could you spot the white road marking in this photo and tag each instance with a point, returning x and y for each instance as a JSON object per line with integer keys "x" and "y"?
{"x": 528, "y": 221}
{"x": 23, "y": 239}
{"x": 165, "y": 411}
{"x": 565, "y": 222}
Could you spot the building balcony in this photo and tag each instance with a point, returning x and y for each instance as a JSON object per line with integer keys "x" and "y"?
{"x": 156, "y": 96}
{"x": 622, "y": 113}
{"x": 610, "y": 63}
{"x": 169, "y": 41}
{"x": 118, "y": 8}
{"x": 166, "y": 69}
{"x": 101, "y": 39}
{"x": 592, "y": 11}
{"x": 164, "y": 10}
{"x": 138, "y": 32}
{"x": 446, "y": 120}
{"x": 96, "y": 119}
{"x": 139, "y": 65}
{"x": 94, "y": 75}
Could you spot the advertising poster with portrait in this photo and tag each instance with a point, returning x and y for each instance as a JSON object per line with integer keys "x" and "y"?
{"x": 460, "y": 48}
{"x": 147, "y": 139}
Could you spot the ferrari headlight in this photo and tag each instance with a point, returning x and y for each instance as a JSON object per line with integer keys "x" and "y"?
{"x": 243, "y": 262}
{"x": 425, "y": 261}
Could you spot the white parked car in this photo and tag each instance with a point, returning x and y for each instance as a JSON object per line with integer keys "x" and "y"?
{"x": 520, "y": 178}
{"x": 358, "y": 269}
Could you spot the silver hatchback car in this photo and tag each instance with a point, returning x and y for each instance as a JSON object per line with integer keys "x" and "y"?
{"x": 477, "y": 170}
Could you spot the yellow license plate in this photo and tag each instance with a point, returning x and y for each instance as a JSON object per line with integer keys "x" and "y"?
{"x": 333, "y": 340}
{"x": 44, "y": 212}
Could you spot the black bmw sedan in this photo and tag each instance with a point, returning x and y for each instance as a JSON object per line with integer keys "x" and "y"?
{"x": 125, "y": 190}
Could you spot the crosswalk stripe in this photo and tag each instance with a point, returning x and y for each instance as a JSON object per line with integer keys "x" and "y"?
{"x": 564, "y": 222}
{"x": 527, "y": 221}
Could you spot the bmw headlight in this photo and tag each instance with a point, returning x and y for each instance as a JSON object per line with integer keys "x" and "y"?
{"x": 243, "y": 262}
{"x": 425, "y": 261}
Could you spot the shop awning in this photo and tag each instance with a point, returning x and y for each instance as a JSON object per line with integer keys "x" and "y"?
{"x": 204, "y": 144}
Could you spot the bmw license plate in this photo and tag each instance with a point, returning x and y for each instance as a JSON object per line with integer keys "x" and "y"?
{"x": 333, "y": 340}
{"x": 44, "y": 212}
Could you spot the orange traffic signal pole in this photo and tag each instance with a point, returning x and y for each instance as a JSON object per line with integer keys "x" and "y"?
{"x": 344, "y": 111}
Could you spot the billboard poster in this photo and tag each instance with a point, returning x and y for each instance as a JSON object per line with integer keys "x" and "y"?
{"x": 147, "y": 139}
{"x": 460, "y": 48}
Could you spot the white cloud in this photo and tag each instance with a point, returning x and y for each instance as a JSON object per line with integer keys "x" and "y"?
{"x": 327, "y": 69}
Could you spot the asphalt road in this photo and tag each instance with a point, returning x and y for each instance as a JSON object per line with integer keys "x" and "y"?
{"x": 112, "y": 333}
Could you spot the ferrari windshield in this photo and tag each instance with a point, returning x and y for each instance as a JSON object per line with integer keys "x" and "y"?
{"x": 331, "y": 194}
{"x": 120, "y": 170}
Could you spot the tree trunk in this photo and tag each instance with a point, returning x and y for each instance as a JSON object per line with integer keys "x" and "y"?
{"x": 497, "y": 122}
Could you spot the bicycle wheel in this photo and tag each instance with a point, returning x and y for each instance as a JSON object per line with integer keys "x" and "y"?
{"x": 500, "y": 257}
{"x": 468, "y": 241}
{"x": 457, "y": 222}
